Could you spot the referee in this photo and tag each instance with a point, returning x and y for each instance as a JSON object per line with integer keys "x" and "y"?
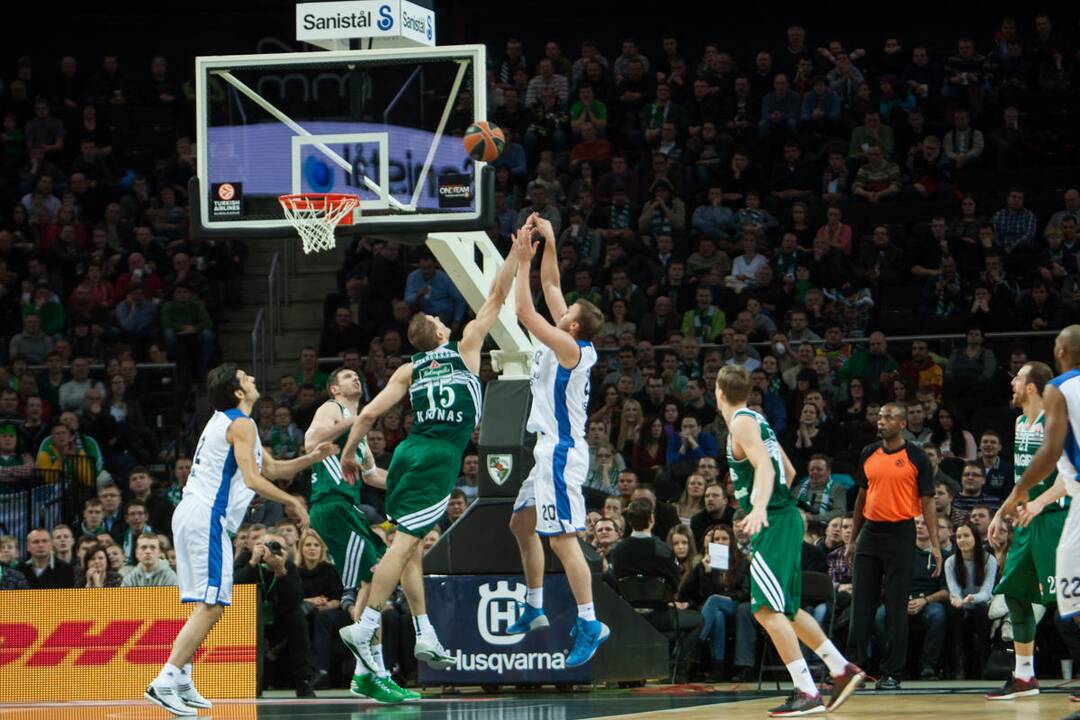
{"x": 895, "y": 486}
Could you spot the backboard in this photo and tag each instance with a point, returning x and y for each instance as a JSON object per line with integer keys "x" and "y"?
{"x": 382, "y": 124}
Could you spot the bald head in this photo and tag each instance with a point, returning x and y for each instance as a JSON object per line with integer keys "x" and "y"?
{"x": 1067, "y": 348}
{"x": 895, "y": 410}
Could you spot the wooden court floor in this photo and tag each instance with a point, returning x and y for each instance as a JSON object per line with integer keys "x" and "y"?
{"x": 698, "y": 703}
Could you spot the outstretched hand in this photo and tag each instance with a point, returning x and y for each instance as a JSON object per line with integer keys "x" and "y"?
{"x": 543, "y": 226}
{"x": 524, "y": 245}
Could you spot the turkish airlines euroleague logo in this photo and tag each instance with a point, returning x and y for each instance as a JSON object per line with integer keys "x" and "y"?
{"x": 226, "y": 200}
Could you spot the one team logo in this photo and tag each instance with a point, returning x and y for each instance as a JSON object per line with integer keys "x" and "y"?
{"x": 499, "y": 467}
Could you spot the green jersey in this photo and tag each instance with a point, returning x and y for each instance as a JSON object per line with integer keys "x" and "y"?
{"x": 445, "y": 396}
{"x": 742, "y": 472}
{"x": 1028, "y": 440}
{"x": 327, "y": 480}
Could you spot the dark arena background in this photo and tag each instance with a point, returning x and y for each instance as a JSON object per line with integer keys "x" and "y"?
{"x": 865, "y": 206}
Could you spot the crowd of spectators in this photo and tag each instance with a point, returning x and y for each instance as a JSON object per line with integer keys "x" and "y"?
{"x": 787, "y": 211}
{"x": 788, "y": 214}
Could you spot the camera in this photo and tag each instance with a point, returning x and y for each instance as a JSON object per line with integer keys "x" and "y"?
{"x": 275, "y": 547}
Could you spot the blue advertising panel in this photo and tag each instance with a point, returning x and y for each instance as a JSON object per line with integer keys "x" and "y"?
{"x": 261, "y": 156}
{"x": 471, "y": 614}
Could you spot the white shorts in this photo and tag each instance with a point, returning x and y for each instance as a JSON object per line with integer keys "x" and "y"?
{"x": 554, "y": 487}
{"x": 1068, "y": 564}
{"x": 204, "y": 554}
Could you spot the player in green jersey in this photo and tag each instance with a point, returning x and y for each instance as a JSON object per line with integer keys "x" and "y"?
{"x": 444, "y": 390}
{"x": 1029, "y": 574}
{"x": 353, "y": 547}
{"x": 761, "y": 473}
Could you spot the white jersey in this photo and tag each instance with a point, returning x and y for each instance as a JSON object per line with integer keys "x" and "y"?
{"x": 1069, "y": 385}
{"x": 215, "y": 480}
{"x": 560, "y": 396}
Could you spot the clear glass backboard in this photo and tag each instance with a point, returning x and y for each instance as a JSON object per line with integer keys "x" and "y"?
{"x": 382, "y": 124}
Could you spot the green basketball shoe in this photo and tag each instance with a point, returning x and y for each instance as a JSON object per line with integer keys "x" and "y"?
{"x": 406, "y": 695}
{"x": 376, "y": 688}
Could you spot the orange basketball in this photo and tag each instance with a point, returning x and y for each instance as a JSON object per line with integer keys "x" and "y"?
{"x": 484, "y": 141}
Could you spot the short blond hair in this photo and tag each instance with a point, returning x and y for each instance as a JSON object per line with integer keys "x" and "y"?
{"x": 422, "y": 333}
{"x": 734, "y": 381}
{"x": 590, "y": 320}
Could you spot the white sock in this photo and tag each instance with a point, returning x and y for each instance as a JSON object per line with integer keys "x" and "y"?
{"x": 422, "y": 625}
{"x": 185, "y": 676}
{"x": 534, "y": 597}
{"x": 369, "y": 624}
{"x": 1025, "y": 667}
{"x": 832, "y": 658}
{"x": 168, "y": 677}
{"x": 376, "y": 652}
{"x": 586, "y": 611}
{"x": 800, "y": 675}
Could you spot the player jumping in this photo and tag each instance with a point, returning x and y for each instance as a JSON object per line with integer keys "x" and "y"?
{"x": 550, "y": 501}
{"x": 444, "y": 390}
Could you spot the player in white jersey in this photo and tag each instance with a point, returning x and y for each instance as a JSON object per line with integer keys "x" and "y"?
{"x": 1061, "y": 404}
{"x": 228, "y": 470}
{"x": 550, "y": 501}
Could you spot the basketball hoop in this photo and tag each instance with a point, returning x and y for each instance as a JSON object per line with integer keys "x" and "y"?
{"x": 315, "y": 215}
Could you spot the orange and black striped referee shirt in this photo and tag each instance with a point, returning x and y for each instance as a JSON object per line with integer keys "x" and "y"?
{"x": 894, "y": 481}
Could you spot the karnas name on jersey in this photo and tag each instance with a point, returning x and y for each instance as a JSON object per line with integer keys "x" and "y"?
{"x": 439, "y": 415}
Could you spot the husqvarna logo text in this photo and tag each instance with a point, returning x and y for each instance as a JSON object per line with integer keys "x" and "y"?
{"x": 497, "y": 610}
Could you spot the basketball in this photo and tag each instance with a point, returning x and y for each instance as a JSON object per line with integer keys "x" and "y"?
{"x": 484, "y": 141}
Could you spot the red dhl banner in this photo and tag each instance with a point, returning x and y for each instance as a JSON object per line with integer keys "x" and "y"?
{"x": 109, "y": 643}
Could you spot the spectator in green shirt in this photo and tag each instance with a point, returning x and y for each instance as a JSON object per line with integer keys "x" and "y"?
{"x": 705, "y": 321}
{"x": 588, "y": 110}
{"x": 309, "y": 370}
{"x": 45, "y": 305}
{"x": 188, "y": 332}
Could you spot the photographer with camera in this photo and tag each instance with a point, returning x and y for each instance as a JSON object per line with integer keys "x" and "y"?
{"x": 268, "y": 564}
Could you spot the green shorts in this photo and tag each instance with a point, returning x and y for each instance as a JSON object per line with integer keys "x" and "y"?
{"x": 776, "y": 563}
{"x": 354, "y": 548}
{"x": 418, "y": 483}
{"x": 1030, "y": 565}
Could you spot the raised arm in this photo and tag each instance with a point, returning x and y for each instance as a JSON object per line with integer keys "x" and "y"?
{"x": 549, "y": 269}
{"x": 472, "y": 337}
{"x": 242, "y": 436}
{"x": 561, "y": 342}
{"x": 395, "y": 390}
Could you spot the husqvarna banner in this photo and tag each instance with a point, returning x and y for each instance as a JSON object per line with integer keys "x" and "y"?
{"x": 109, "y": 643}
{"x": 471, "y": 614}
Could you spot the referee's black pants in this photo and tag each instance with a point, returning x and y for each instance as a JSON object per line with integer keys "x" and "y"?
{"x": 884, "y": 554}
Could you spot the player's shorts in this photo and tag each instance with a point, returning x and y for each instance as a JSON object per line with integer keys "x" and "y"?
{"x": 776, "y": 563}
{"x": 1068, "y": 565}
{"x": 204, "y": 554}
{"x": 1030, "y": 565}
{"x": 353, "y": 547}
{"x": 418, "y": 483}
{"x": 554, "y": 485}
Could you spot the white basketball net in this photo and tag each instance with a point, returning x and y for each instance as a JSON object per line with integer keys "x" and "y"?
{"x": 315, "y": 217}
